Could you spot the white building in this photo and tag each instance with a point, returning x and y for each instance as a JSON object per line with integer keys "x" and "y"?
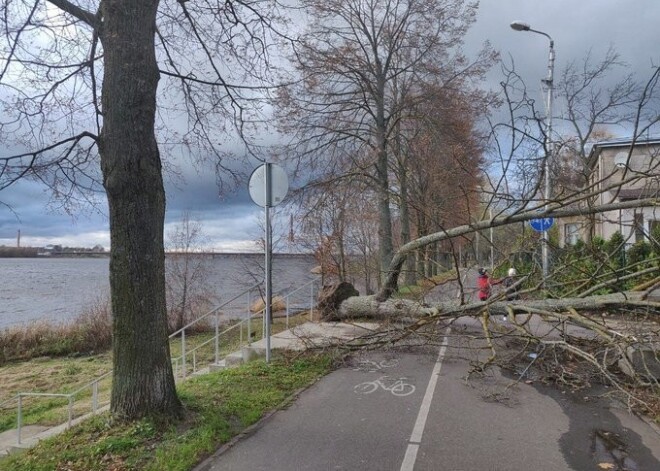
{"x": 620, "y": 170}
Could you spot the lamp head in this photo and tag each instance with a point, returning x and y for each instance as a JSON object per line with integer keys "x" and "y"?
{"x": 520, "y": 26}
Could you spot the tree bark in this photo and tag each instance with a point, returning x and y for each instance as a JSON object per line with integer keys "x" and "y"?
{"x": 402, "y": 309}
{"x": 143, "y": 382}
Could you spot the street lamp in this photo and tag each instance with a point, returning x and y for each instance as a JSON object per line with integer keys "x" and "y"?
{"x": 548, "y": 82}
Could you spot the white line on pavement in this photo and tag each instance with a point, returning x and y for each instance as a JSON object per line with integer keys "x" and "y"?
{"x": 418, "y": 430}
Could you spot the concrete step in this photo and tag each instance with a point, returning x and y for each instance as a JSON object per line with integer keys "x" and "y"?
{"x": 233, "y": 359}
{"x": 221, "y": 365}
{"x": 202, "y": 371}
{"x": 252, "y": 352}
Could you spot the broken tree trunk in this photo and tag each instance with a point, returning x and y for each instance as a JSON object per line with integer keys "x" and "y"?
{"x": 401, "y": 309}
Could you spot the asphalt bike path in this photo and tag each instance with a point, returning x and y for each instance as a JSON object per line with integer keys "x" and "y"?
{"x": 355, "y": 418}
{"x": 412, "y": 409}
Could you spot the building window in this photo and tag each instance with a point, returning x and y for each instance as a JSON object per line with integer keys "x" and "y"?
{"x": 571, "y": 234}
{"x": 639, "y": 227}
{"x": 653, "y": 229}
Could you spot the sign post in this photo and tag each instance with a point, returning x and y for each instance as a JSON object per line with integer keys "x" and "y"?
{"x": 543, "y": 225}
{"x": 268, "y": 186}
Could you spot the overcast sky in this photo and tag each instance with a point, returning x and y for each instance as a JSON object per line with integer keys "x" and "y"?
{"x": 232, "y": 224}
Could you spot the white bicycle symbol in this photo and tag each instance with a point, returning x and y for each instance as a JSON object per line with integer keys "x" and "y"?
{"x": 396, "y": 386}
{"x": 370, "y": 365}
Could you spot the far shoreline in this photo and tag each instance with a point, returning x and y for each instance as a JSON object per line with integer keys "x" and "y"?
{"x": 30, "y": 252}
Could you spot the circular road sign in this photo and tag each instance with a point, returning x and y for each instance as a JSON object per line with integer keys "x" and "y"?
{"x": 279, "y": 185}
{"x": 541, "y": 224}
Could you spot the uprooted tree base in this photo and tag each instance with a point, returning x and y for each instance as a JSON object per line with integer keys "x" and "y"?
{"x": 573, "y": 343}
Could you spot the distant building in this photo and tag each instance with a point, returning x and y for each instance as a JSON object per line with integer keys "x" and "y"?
{"x": 619, "y": 170}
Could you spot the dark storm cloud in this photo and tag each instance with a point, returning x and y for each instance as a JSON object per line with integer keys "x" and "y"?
{"x": 232, "y": 221}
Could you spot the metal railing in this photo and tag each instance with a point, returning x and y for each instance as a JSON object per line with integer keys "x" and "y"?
{"x": 311, "y": 285}
{"x": 71, "y": 397}
{"x": 180, "y": 362}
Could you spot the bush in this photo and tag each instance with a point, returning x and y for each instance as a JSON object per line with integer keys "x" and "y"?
{"x": 655, "y": 240}
{"x": 616, "y": 249}
{"x": 639, "y": 252}
{"x": 582, "y": 266}
{"x": 88, "y": 333}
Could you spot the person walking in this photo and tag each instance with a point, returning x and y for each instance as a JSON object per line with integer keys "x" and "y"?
{"x": 509, "y": 281}
{"x": 485, "y": 284}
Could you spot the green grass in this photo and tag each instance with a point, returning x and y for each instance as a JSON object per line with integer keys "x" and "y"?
{"x": 218, "y": 406}
{"x": 65, "y": 375}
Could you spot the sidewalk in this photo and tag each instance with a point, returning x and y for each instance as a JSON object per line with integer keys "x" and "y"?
{"x": 316, "y": 334}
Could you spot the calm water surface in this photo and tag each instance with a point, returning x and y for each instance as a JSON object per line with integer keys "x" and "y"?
{"x": 58, "y": 289}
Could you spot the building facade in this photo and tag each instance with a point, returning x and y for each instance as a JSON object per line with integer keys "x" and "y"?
{"x": 619, "y": 170}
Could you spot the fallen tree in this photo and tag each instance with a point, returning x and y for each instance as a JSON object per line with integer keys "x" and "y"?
{"x": 393, "y": 308}
{"x": 390, "y": 285}
{"x": 579, "y": 329}
{"x": 610, "y": 339}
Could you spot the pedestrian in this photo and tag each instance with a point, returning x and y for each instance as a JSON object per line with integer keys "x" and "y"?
{"x": 509, "y": 281}
{"x": 485, "y": 284}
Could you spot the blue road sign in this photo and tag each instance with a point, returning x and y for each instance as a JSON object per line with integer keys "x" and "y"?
{"x": 541, "y": 224}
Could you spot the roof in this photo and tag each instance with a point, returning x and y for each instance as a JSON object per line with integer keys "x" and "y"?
{"x": 635, "y": 193}
{"x": 599, "y": 146}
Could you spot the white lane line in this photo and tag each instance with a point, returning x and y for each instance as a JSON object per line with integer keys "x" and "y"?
{"x": 410, "y": 458}
{"x": 418, "y": 430}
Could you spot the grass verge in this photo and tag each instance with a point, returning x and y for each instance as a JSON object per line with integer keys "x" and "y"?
{"x": 65, "y": 375}
{"x": 218, "y": 406}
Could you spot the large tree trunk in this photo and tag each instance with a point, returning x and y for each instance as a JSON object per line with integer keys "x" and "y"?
{"x": 401, "y": 309}
{"x": 409, "y": 277}
{"x": 143, "y": 382}
{"x": 385, "y": 242}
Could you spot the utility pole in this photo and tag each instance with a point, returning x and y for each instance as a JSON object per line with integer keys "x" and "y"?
{"x": 549, "y": 83}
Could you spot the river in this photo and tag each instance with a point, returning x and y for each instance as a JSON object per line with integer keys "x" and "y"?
{"x": 58, "y": 289}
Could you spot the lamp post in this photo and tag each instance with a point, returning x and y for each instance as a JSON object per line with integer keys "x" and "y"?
{"x": 548, "y": 82}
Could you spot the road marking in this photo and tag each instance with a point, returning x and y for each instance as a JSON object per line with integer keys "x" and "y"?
{"x": 398, "y": 387}
{"x": 410, "y": 458}
{"x": 370, "y": 365}
{"x": 418, "y": 430}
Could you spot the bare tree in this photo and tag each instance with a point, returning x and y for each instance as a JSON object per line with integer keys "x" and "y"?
{"x": 362, "y": 65}
{"x": 186, "y": 272}
{"x": 338, "y": 223}
{"x": 443, "y": 165}
{"x": 91, "y": 92}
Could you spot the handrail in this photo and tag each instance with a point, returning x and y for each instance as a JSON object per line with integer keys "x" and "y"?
{"x": 95, "y": 383}
{"x": 215, "y": 338}
{"x": 91, "y": 383}
{"x": 311, "y": 304}
{"x": 214, "y": 310}
{"x": 209, "y": 340}
{"x": 19, "y": 417}
{"x": 184, "y": 351}
{"x": 70, "y": 396}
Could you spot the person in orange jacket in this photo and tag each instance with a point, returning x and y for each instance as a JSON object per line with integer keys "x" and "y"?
{"x": 485, "y": 284}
